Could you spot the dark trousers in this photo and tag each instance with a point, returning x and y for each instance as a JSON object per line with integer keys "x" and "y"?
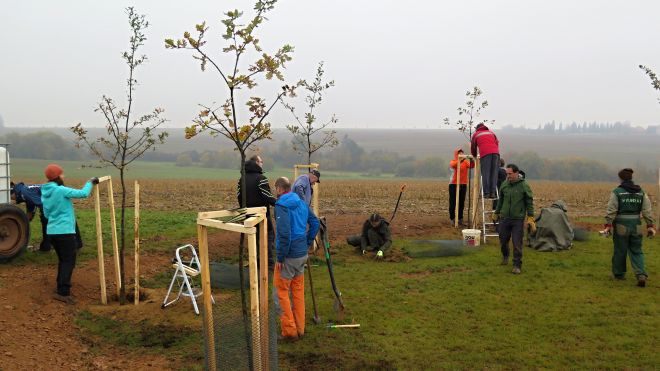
{"x": 512, "y": 229}
{"x": 66, "y": 247}
{"x": 490, "y": 165}
{"x": 452, "y": 200}
{"x": 45, "y": 240}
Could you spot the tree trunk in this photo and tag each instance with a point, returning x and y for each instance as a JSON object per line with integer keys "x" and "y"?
{"x": 122, "y": 278}
{"x": 241, "y": 259}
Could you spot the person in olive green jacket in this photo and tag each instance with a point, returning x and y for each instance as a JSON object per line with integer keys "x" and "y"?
{"x": 627, "y": 202}
{"x": 516, "y": 205}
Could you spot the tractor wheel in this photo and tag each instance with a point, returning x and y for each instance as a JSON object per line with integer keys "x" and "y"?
{"x": 14, "y": 232}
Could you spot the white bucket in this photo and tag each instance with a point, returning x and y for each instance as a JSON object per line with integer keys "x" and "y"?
{"x": 471, "y": 237}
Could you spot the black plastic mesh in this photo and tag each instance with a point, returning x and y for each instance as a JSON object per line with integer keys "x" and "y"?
{"x": 233, "y": 332}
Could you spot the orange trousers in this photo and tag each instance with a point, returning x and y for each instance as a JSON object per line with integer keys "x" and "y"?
{"x": 293, "y": 311}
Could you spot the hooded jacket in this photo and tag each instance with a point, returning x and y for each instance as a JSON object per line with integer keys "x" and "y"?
{"x": 30, "y": 194}
{"x": 258, "y": 190}
{"x": 58, "y": 208}
{"x": 516, "y": 200}
{"x": 485, "y": 140}
{"x": 627, "y": 202}
{"x": 554, "y": 231}
{"x": 465, "y": 166}
{"x": 292, "y": 216}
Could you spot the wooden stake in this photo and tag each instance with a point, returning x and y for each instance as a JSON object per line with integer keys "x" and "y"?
{"x": 136, "y": 234}
{"x": 209, "y": 329}
{"x": 113, "y": 229}
{"x": 458, "y": 191}
{"x": 254, "y": 299}
{"x": 99, "y": 244}
{"x": 263, "y": 293}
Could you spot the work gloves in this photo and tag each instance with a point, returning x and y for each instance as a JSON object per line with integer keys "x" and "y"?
{"x": 531, "y": 223}
{"x": 94, "y": 180}
{"x": 650, "y": 231}
{"x": 379, "y": 254}
{"x": 495, "y": 217}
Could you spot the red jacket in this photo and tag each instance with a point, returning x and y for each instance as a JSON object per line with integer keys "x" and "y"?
{"x": 486, "y": 141}
{"x": 465, "y": 165}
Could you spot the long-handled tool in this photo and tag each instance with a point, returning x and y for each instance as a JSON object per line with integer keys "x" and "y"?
{"x": 339, "y": 303}
{"x": 403, "y": 187}
{"x": 316, "y": 318}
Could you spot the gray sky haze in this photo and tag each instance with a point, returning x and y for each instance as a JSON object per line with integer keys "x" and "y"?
{"x": 396, "y": 64}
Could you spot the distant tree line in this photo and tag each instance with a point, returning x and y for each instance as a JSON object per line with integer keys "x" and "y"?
{"x": 347, "y": 156}
{"x": 584, "y": 128}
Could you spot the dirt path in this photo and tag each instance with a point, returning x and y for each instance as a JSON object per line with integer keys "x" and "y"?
{"x": 38, "y": 333}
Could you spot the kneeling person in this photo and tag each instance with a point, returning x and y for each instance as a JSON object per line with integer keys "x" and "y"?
{"x": 376, "y": 236}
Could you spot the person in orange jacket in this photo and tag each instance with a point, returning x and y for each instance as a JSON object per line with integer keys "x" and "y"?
{"x": 465, "y": 165}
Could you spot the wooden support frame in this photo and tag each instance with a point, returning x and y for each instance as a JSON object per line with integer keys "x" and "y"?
{"x": 476, "y": 183}
{"x": 99, "y": 236}
{"x": 315, "y": 187}
{"x": 136, "y": 235}
{"x": 258, "y": 279}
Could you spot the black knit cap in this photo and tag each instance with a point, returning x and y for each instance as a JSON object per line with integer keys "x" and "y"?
{"x": 626, "y": 174}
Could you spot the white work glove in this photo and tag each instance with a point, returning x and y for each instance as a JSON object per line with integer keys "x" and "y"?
{"x": 379, "y": 254}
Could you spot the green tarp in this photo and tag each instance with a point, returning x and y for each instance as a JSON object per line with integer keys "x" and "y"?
{"x": 553, "y": 229}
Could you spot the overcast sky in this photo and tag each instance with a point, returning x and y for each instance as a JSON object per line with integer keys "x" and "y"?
{"x": 395, "y": 63}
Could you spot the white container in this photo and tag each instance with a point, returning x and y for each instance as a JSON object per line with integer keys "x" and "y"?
{"x": 4, "y": 175}
{"x": 471, "y": 237}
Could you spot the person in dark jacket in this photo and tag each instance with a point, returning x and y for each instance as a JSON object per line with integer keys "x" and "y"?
{"x": 627, "y": 205}
{"x": 258, "y": 194}
{"x": 376, "y": 236}
{"x": 501, "y": 177}
{"x": 58, "y": 208}
{"x": 516, "y": 206}
{"x": 297, "y": 227}
{"x": 31, "y": 195}
{"x": 488, "y": 146}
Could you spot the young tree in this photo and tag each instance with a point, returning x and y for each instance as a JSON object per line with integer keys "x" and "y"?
{"x": 224, "y": 120}
{"x": 303, "y": 131}
{"x": 471, "y": 112}
{"x": 654, "y": 78}
{"x": 250, "y": 127}
{"x": 129, "y": 137}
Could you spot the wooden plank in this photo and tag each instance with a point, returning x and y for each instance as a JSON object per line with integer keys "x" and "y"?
{"x": 209, "y": 329}
{"x": 233, "y": 227}
{"x": 136, "y": 234}
{"x": 256, "y": 210}
{"x": 99, "y": 244}
{"x": 105, "y": 179}
{"x": 254, "y": 300}
{"x": 115, "y": 243}
{"x": 215, "y": 214}
{"x": 263, "y": 293}
{"x": 253, "y": 220}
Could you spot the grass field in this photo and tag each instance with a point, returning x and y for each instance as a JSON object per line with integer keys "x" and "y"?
{"x": 463, "y": 312}
{"x": 32, "y": 170}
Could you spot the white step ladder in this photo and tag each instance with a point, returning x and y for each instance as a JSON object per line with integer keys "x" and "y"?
{"x": 488, "y": 227}
{"x": 184, "y": 272}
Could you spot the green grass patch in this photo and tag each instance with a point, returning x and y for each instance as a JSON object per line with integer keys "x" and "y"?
{"x": 468, "y": 312}
{"x": 178, "y": 343}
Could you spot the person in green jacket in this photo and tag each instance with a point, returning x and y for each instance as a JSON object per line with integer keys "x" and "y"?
{"x": 627, "y": 202}
{"x": 515, "y": 206}
{"x": 61, "y": 228}
{"x": 376, "y": 236}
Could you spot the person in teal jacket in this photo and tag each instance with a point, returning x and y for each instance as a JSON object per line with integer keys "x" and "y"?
{"x": 61, "y": 228}
{"x": 514, "y": 208}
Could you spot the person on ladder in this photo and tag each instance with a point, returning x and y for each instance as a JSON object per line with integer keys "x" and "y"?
{"x": 465, "y": 165}
{"x": 486, "y": 142}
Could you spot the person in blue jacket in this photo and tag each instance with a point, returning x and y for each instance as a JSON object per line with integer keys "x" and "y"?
{"x": 292, "y": 218}
{"x": 303, "y": 185}
{"x": 31, "y": 195}
{"x": 61, "y": 229}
